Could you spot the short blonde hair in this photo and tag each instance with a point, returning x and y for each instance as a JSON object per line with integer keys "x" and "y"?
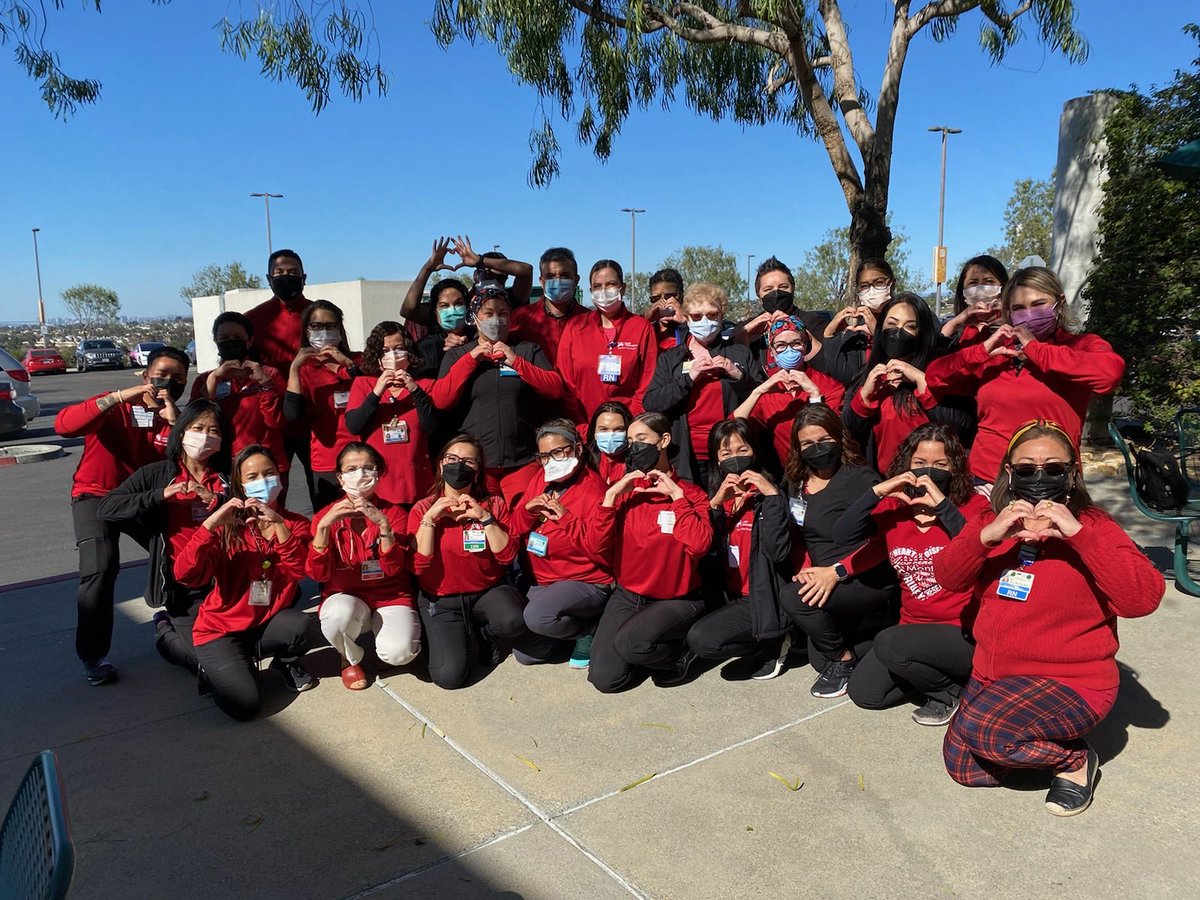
{"x": 706, "y": 292}
{"x": 1045, "y": 281}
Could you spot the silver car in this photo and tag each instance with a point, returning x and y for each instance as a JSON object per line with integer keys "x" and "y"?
{"x": 99, "y": 353}
{"x": 22, "y": 395}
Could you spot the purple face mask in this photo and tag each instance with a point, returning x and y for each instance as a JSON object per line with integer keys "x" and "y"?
{"x": 1040, "y": 320}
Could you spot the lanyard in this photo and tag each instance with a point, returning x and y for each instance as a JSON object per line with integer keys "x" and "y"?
{"x": 617, "y": 329}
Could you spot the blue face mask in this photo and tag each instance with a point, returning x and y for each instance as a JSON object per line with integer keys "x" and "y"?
{"x": 610, "y": 442}
{"x": 265, "y": 489}
{"x": 789, "y": 359}
{"x": 452, "y": 317}
{"x": 704, "y": 330}
{"x": 559, "y": 291}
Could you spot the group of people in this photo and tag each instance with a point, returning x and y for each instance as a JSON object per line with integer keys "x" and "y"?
{"x": 895, "y": 499}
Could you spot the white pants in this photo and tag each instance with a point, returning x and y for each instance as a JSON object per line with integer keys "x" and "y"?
{"x": 397, "y": 629}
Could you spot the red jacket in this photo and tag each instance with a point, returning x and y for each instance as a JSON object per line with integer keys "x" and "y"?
{"x": 776, "y": 409}
{"x": 533, "y": 323}
{"x": 227, "y": 608}
{"x": 583, "y": 343}
{"x": 571, "y": 551}
{"x": 186, "y": 512}
{"x": 890, "y": 424}
{"x": 277, "y": 334}
{"x": 453, "y": 569}
{"x": 656, "y": 543}
{"x": 117, "y": 442}
{"x": 1056, "y": 381}
{"x": 409, "y": 472}
{"x": 354, "y": 564}
{"x": 253, "y": 409}
{"x": 326, "y": 398}
{"x": 1067, "y": 628}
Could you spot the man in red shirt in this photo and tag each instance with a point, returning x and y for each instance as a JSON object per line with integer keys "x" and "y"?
{"x": 543, "y": 323}
{"x": 122, "y": 431}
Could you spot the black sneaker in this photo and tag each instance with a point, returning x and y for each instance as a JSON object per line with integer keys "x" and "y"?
{"x": 834, "y": 679}
{"x": 1066, "y": 798}
{"x": 100, "y": 671}
{"x": 935, "y": 713}
{"x": 295, "y": 677}
{"x": 490, "y": 653}
{"x": 678, "y": 673}
{"x": 772, "y": 664}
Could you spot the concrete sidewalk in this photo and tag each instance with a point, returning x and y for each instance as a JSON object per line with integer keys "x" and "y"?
{"x": 514, "y": 786}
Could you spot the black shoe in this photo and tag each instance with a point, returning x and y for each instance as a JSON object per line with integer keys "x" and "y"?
{"x": 834, "y": 680}
{"x": 100, "y": 671}
{"x": 295, "y": 677}
{"x": 772, "y": 663}
{"x": 678, "y": 673}
{"x": 490, "y": 653}
{"x": 203, "y": 687}
{"x": 1065, "y": 798}
{"x": 935, "y": 713}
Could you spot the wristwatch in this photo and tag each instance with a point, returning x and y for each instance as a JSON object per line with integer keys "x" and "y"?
{"x": 488, "y": 520}
{"x": 840, "y": 571}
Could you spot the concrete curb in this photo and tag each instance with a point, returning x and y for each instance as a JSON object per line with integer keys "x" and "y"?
{"x": 18, "y": 454}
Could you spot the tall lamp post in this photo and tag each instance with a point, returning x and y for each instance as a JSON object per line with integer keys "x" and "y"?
{"x": 267, "y": 203}
{"x": 749, "y": 293}
{"x": 939, "y": 253}
{"x": 633, "y": 214}
{"x": 37, "y": 265}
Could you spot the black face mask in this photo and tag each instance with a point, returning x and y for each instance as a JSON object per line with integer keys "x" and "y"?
{"x": 822, "y": 456}
{"x": 777, "y": 301}
{"x": 641, "y": 456}
{"x": 898, "y": 343}
{"x": 287, "y": 287}
{"x": 941, "y": 479}
{"x": 1041, "y": 485}
{"x": 235, "y": 348}
{"x": 174, "y": 388}
{"x": 457, "y": 475}
{"x": 736, "y": 465}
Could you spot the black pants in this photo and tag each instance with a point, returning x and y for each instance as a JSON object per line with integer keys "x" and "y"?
{"x": 173, "y": 637}
{"x": 848, "y": 620}
{"x": 300, "y": 448}
{"x": 912, "y": 662}
{"x": 99, "y": 546}
{"x": 638, "y": 632}
{"x": 728, "y": 632}
{"x": 230, "y": 663}
{"x": 326, "y": 490}
{"x": 447, "y": 623}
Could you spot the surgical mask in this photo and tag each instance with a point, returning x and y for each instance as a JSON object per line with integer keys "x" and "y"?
{"x": 324, "y": 337}
{"x": 898, "y": 343}
{"x": 941, "y": 478}
{"x": 174, "y": 388}
{"x": 607, "y": 299}
{"x": 265, "y": 489}
{"x": 232, "y": 349}
{"x": 642, "y": 456}
{"x": 736, "y": 465}
{"x": 494, "y": 329}
{"x": 394, "y": 359}
{"x": 452, "y": 317}
{"x": 287, "y": 287}
{"x": 559, "y": 291}
{"x": 1041, "y": 485}
{"x": 558, "y": 469}
{"x": 359, "y": 483}
{"x": 824, "y": 455}
{"x": 610, "y": 442}
{"x": 981, "y": 293}
{"x": 789, "y": 359}
{"x": 457, "y": 475}
{"x": 1040, "y": 320}
{"x": 777, "y": 301}
{"x": 200, "y": 445}
{"x": 875, "y": 297}
{"x": 705, "y": 329}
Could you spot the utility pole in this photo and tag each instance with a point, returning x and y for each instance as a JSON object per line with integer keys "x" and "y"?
{"x": 749, "y": 283}
{"x": 633, "y": 214}
{"x": 267, "y": 202}
{"x": 939, "y": 253}
{"x": 37, "y": 265}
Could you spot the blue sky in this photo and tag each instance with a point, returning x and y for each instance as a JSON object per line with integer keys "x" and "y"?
{"x": 152, "y": 183}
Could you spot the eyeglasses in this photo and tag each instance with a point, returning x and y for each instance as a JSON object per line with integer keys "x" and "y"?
{"x": 665, "y": 295}
{"x": 366, "y": 470}
{"x": 877, "y": 283}
{"x": 1053, "y": 469}
{"x": 558, "y": 454}
{"x": 469, "y": 461}
{"x": 320, "y": 326}
{"x": 792, "y": 345}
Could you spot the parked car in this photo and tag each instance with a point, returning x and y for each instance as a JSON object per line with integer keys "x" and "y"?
{"x": 98, "y": 353}
{"x": 12, "y": 417}
{"x": 191, "y": 352}
{"x": 21, "y": 394}
{"x": 140, "y": 354}
{"x": 44, "y": 361}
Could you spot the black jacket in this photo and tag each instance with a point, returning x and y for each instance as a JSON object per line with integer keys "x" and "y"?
{"x": 770, "y": 562}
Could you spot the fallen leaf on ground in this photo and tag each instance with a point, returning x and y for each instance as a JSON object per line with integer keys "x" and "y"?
{"x": 252, "y": 821}
{"x": 528, "y": 762}
{"x": 658, "y": 725}
{"x": 203, "y": 795}
{"x": 790, "y": 785}
{"x": 633, "y": 784}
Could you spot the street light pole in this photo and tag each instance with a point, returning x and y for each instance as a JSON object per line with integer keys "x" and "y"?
{"x": 749, "y": 293}
{"x": 37, "y": 265}
{"x": 633, "y": 214}
{"x": 267, "y": 202}
{"x": 939, "y": 254}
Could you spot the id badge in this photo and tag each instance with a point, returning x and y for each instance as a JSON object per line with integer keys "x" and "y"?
{"x": 372, "y": 570}
{"x": 341, "y": 399}
{"x": 142, "y": 417}
{"x": 199, "y": 511}
{"x": 1015, "y": 585}
{"x": 538, "y": 544}
{"x": 474, "y": 540}
{"x": 687, "y": 366}
{"x": 395, "y": 433}
{"x": 666, "y": 521}
{"x": 224, "y": 389}
{"x": 735, "y": 556}
{"x": 260, "y": 593}
{"x": 507, "y": 371}
{"x": 609, "y": 368}
{"x": 797, "y": 506}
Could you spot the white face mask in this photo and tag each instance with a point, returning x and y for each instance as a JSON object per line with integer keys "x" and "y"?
{"x": 704, "y": 330}
{"x": 607, "y": 299}
{"x": 359, "y": 483}
{"x": 558, "y": 469}
{"x": 978, "y": 293}
{"x": 875, "y": 297}
{"x": 200, "y": 445}
{"x": 394, "y": 359}
{"x": 322, "y": 338}
{"x": 494, "y": 329}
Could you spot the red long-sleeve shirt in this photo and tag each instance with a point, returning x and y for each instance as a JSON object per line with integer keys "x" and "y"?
{"x": 449, "y": 389}
{"x": 776, "y": 408}
{"x": 409, "y": 472}
{"x": 117, "y": 442}
{"x": 656, "y": 543}
{"x": 277, "y": 331}
{"x": 1067, "y": 627}
{"x": 186, "y": 512}
{"x": 1056, "y": 381}
{"x": 354, "y": 564}
{"x": 326, "y": 398}
{"x": 571, "y": 550}
{"x": 532, "y": 323}
{"x": 452, "y": 569}
{"x": 891, "y": 425}
{"x": 585, "y": 340}
{"x": 227, "y": 608}
{"x": 253, "y": 409}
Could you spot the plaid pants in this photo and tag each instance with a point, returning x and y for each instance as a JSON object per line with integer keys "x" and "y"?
{"x": 1020, "y": 722}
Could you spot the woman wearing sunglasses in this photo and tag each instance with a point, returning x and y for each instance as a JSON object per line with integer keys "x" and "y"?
{"x": 1052, "y": 573}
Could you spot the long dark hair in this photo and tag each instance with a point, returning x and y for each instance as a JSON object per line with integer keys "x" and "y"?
{"x": 961, "y": 487}
{"x": 1077, "y": 500}
{"x": 927, "y": 342}
{"x": 874, "y": 262}
{"x": 373, "y": 349}
{"x": 235, "y": 470}
{"x": 608, "y": 406}
{"x": 219, "y": 461}
{"x": 797, "y": 470}
{"x": 478, "y": 487}
{"x": 722, "y": 432}
{"x": 984, "y": 261}
{"x": 325, "y": 305}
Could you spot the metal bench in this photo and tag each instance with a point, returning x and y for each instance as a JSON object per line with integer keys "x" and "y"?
{"x": 1187, "y": 428}
{"x": 37, "y": 858}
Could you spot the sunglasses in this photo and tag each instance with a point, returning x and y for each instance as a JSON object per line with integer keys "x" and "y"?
{"x": 1054, "y": 469}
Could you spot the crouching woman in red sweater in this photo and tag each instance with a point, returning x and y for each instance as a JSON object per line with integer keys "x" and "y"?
{"x": 1052, "y": 573}
{"x": 253, "y": 552}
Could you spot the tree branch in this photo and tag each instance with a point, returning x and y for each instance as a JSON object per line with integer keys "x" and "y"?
{"x": 715, "y": 30}
{"x": 1007, "y": 21}
{"x": 845, "y": 87}
{"x": 938, "y": 10}
{"x": 593, "y": 10}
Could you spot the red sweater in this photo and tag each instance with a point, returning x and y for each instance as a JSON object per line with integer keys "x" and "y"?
{"x": 1067, "y": 628}
{"x": 448, "y": 390}
{"x": 254, "y": 410}
{"x": 585, "y": 340}
{"x": 186, "y": 512}
{"x": 571, "y": 552}
{"x": 1056, "y": 382}
{"x": 326, "y": 398}
{"x": 227, "y": 608}
{"x": 409, "y": 472}
{"x": 776, "y": 409}
{"x": 532, "y": 323}
{"x": 453, "y": 569}
{"x": 277, "y": 331}
{"x": 656, "y": 543}
{"x": 116, "y": 442}
{"x": 891, "y": 425}
{"x": 354, "y": 564}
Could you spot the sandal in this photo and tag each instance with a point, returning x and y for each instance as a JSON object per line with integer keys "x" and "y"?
{"x": 354, "y": 678}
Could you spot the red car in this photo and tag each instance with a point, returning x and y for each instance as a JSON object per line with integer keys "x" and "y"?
{"x": 44, "y": 360}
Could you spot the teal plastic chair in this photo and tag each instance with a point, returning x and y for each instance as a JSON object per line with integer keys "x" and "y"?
{"x": 37, "y": 857}
{"x": 1182, "y": 518}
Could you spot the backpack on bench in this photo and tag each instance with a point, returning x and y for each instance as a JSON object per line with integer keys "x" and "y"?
{"x": 1159, "y": 480}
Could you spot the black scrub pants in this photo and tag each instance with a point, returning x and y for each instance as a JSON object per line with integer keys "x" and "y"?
{"x": 848, "y": 619}
{"x": 99, "y": 546}
{"x": 911, "y": 662}
{"x": 728, "y": 632}
{"x": 637, "y": 632}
